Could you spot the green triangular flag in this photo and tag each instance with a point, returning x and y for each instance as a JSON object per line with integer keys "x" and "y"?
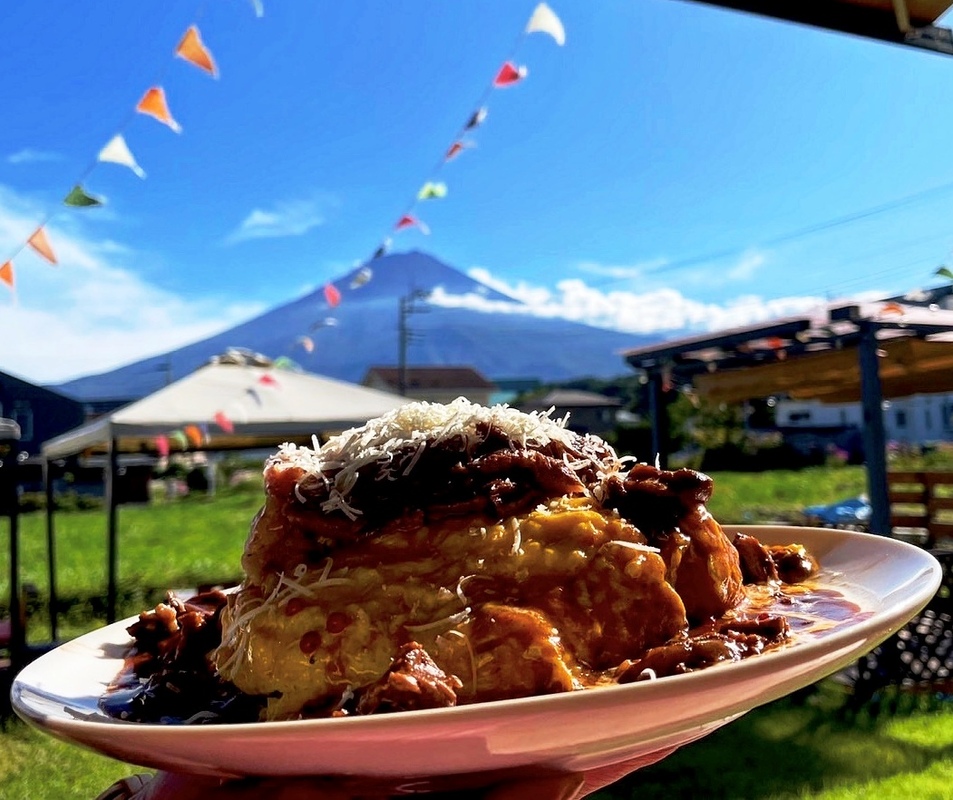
{"x": 78, "y": 198}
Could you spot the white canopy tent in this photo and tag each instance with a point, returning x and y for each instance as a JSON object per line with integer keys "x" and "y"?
{"x": 237, "y": 402}
{"x": 263, "y": 405}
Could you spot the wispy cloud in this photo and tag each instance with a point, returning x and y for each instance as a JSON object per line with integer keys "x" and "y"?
{"x": 286, "y": 218}
{"x": 664, "y": 310}
{"x": 30, "y": 156}
{"x": 75, "y": 319}
{"x": 621, "y": 272}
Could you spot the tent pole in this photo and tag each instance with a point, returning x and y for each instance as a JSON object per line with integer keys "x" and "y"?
{"x": 658, "y": 415}
{"x": 111, "y": 505}
{"x": 50, "y": 546}
{"x": 875, "y": 439}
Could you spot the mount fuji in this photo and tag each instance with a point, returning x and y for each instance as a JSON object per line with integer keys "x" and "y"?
{"x": 502, "y": 340}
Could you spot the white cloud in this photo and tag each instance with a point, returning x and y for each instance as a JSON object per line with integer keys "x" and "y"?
{"x": 663, "y": 310}
{"x": 30, "y": 156}
{"x": 91, "y": 312}
{"x": 288, "y": 218}
{"x": 747, "y": 266}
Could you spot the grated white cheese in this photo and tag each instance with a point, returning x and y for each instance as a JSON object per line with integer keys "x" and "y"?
{"x": 409, "y": 430}
{"x": 634, "y": 546}
{"x": 453, "y": 619}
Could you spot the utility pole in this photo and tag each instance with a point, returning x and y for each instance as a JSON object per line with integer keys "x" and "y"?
{"x": 405, "y": 308}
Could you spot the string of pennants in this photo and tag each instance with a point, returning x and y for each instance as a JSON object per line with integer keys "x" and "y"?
{"x": 197, "y": 435}
{"x": 543, "y": 20}
{"x": 153, "y": 103}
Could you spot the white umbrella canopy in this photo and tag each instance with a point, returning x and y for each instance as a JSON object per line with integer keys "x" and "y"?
{"x": 261, "y": 404}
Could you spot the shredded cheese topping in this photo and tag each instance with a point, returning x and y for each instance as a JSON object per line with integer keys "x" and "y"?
{"x": 397, "y": 440}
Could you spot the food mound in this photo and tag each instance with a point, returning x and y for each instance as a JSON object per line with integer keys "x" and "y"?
{"x": 443, "y": 555}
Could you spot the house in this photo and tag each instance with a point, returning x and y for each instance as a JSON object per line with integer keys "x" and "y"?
{"x": 589, "y": 412}
{"x": 433, "y": 384}
{"x": 917, "y": 419}
{"x": 40, "y": 413}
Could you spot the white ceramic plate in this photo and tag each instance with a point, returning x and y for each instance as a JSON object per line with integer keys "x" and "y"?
{"x": 889, "y": 580}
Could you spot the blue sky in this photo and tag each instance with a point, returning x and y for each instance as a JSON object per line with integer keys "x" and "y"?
{"x": 672, "y": 166}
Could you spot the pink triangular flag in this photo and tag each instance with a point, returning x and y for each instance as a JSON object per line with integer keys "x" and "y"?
{"x": 223, "y": 422}
{"x": 162, "y": 446}
{"x": 410, "y": 221}
{"x": 509, "y": 74}
{"x": 332, "y": 295}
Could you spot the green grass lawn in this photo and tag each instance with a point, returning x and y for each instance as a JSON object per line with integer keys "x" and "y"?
{"x": 789, "y": 749}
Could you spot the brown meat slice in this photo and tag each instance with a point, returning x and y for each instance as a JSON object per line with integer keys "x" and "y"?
{"x": 794, "y": 563}
{"x": 757, "y": 565}
{"x": 413, "y": 682}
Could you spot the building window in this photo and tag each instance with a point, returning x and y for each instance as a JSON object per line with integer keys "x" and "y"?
{"x": 22, "y": 415}
{"x": 928, "y": 420}
{"x": 799, "y": 416}
{"x": 901, "y": 418}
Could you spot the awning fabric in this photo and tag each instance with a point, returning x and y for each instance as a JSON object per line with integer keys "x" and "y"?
{"x": 907, "y": 366}
{"x": 265, "y": 405}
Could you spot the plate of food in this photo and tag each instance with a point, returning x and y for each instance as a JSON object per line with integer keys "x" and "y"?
{"x": 453, "y": 589}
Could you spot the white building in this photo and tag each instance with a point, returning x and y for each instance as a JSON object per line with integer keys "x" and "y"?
{"x": 917, "y": 419}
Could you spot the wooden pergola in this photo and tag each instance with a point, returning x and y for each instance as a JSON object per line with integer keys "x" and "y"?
{"x": 866, "y": 352}
{"x": 907, "y": 22}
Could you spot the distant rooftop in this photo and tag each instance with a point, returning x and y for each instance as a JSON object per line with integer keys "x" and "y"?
{"x": 452, "y": 377}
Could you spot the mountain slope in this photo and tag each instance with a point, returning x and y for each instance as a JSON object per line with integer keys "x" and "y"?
{"x": 364, "y": 332}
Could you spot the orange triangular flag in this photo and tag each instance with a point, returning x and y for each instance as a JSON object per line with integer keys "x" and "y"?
{"x": 153, "y": 103}
{"x": 39, "y": 243}
{"x": 194, "y": 435}
{"x": 6, "y": 274}
{"x": 195, "y": 52}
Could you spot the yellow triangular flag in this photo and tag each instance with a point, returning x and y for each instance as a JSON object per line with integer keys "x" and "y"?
{"x": 195, "y": 52}
{"x": 153, "y": 103}
{"x": 39, "y": 243}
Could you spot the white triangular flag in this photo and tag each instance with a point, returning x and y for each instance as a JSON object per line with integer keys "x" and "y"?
{"x": 117, "y": 152}
{"x": 544, "y": 20}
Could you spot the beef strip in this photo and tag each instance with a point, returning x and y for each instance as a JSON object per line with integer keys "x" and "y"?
{"x": 413, "y": 682}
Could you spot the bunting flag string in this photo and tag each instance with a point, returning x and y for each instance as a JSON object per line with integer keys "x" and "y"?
{"x": 198, "y": 435}
{"x": 153, "y": 103}
{"x": 543, "y": 20}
